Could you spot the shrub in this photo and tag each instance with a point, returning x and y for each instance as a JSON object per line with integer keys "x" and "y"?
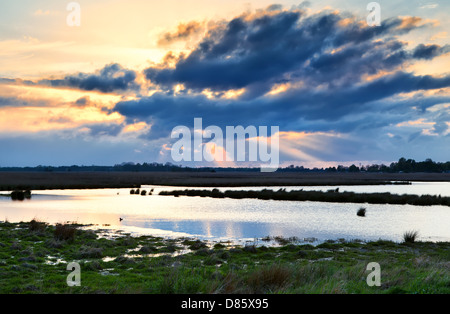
{"x": 17, "y": 195}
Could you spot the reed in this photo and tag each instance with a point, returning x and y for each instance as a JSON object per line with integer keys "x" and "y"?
{"x": 361, "y": 212}
{"x": 410, "y": 236}
{"x": 64, "y": 232}
{"x": 318, "y": 196}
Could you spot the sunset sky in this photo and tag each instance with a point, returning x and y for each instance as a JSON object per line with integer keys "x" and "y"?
{"x": 112, "y": 89}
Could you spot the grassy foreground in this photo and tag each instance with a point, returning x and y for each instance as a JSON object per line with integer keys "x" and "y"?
{"x": 34, "y": 257}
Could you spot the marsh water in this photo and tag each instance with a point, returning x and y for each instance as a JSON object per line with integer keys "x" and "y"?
{"x": 238, "y": 219}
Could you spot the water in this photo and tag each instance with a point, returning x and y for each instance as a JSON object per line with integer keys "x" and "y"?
{"x": 238, "y": 219}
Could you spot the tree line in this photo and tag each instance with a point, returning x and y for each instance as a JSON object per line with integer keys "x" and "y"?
{"x": 402, "y": 165}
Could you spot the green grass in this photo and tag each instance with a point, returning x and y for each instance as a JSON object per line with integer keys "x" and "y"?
{"x": 34, "y": 260}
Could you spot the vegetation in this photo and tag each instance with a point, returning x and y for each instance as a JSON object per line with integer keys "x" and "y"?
{"x": 361, "y": 212}
{"x": 64, "y": 232}
{"x": 410, "y": 236}
{"x": 40, "y": 180}
{"x": 319, "y": 196}
{"x": 18, "y": 195}
{"x": 402, "y": 165}
{"x": 34, "y": 260}
{"x": 139, "y": 192}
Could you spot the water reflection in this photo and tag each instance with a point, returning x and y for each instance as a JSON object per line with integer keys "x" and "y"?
{"x": 224, "y": 219}
{"x": 208, "y": 229}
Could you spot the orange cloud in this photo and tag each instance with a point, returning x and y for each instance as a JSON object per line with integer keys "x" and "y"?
{"x": 136, "y": 127}
{"x": 183, "y": 32}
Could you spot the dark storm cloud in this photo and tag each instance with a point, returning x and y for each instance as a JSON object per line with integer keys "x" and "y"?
{"x": 260, "y": 51}
{"x": 164, "y": 111}
{"x": 327, "y": 58}
{"x": 236, "y": 55}
{"x": 112, "y": 78}
{"x": 429, "y": 51}
{"x": 330, "y": 108}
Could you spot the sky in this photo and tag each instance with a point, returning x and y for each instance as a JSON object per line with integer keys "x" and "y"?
{"x": 112, "y": 89}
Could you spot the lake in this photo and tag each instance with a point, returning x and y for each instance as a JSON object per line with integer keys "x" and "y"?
{"x": 239, "y": 220}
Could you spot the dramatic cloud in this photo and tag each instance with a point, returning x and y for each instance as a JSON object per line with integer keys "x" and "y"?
{"x": 327, "y": 74}
{"x": 255, "y": 52}
{"x": 337, "y": 88}
{"x": 331, "y": 64}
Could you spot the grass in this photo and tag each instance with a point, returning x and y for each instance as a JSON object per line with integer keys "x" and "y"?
{"x": 34, "y": 260}
{"x": 361, "y": 212}
{"x": 318, "y": 196}
{"x": 410, "y": 236}
{"x": 64, "y": 232}
{"x": 89, "y": 180}
{"x": 37, "y": 226}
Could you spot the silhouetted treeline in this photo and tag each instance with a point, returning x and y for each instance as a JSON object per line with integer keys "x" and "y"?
{"x": 403, "y": 165}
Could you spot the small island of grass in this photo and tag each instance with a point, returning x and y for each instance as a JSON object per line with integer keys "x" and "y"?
{"x": 318, "y": 196}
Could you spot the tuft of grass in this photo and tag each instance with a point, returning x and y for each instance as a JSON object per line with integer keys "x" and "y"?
{"x": 37, "y": 226}
{"x": 361, "y": 212}
{"x": 269, "y": 278}
{"x": 64, "y": 232}
{"x": 410, "y": 236}
{"x": 90, "y": 252}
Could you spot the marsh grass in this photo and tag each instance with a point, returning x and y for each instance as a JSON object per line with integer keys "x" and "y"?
{"x": 333, "y": 267}
{"x": 37, "y": 226}
{"x": 64, "y": 232}
{"x": 269, "y": 278}
{"x": 317, "y": 196}
{"x": 410, "y": 236}
{"x": 361, "y": 212}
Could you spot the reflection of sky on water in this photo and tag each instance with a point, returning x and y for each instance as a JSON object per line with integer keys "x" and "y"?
{"x": 209, "y": 229}
{"x": 229, "y": 218}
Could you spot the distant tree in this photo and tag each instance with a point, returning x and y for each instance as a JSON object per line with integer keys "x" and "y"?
{"x": 353, "y": 168}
